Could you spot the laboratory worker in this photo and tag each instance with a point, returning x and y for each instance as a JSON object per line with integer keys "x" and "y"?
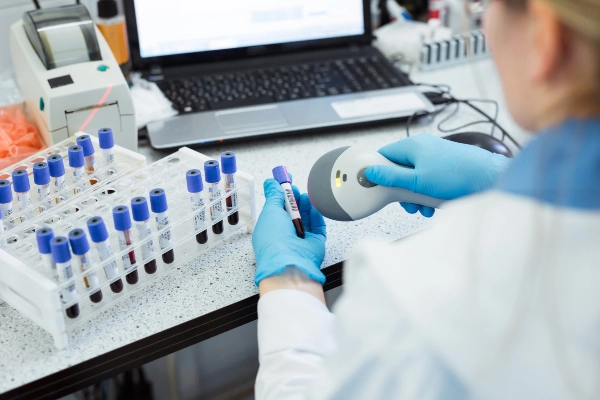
{"x": 500, "y": 299}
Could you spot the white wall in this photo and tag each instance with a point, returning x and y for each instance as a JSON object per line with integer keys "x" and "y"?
{"x": 12, "y": 10}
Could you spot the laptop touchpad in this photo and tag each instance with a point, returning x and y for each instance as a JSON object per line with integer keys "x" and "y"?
{"x": 251, "y": 119}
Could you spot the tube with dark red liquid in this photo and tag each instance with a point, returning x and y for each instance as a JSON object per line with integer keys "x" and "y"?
{"x": 281, "y": 175}
{"x": 122, "y": 221}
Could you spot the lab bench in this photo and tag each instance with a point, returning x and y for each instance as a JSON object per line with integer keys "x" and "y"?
{"x": 216, "y": 293}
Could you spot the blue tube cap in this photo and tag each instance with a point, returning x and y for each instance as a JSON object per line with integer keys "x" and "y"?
{"x": 139, "y": 209}
{"x": 85, "y": 141}
{"x": 20, "y": 179}
{"x": 194, "y": 181}
{"x": 158, "y": 200}
{"x": 228, "y": 163}
{"x": 56, "y": 165}
{"x": 76, "y": 156}
{"x": 281, "y": 175}
{"x": 5, "y": 192}
{"x": 41, "y": 173}
{"x": 60, "y": 249}
{"x": 44, "y": 236}
{"x": 97, "y": 229}
{"x": 121, "y": 218}
{"x": 106, "y": 138}
{"x": 79, "y": 242}
{"x": 211, "y": 171}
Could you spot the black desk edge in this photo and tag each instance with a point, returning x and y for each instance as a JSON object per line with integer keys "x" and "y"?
{"x": 133, "y": 355}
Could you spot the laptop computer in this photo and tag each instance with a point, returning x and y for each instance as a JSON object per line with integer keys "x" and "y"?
{"x": 239, "y": 68}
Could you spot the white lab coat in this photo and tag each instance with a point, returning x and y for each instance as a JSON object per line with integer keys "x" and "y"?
{"x": 500, "y": 299}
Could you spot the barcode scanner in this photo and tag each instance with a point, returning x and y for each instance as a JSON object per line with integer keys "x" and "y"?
{"x": 338, "y": 188}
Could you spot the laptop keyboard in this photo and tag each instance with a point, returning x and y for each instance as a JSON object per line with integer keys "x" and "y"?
{"x": 285, "y": 83}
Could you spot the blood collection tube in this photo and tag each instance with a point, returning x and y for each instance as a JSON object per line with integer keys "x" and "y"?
{"x": 44, "y": 236}
{"x": 122, "y": 222}
{"x": 62, "y": 258}
{"x": 281, "y": 175}
{"x": 229, "y": 168}
{"x": 76, "y": 162}
{"x": 21, "y": 187}
{"x": 158, "y": 204}
{"x": 41, "y": 177}
{"x": 141, "y": 216}
{"x": 107, "y": 144}
{"x": 81, "y": 248}
{"x": 57, "y": 172}
{"x": 6, "y": 198}
{"x": 99, "y": 235}
{"x": 88, "y": 153}
{"x": 194, "y": 186}
{"x": 212, "y": 174}
{"x": 1, "y": 222}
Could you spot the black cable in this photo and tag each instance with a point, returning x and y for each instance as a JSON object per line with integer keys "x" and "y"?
{"x": 448, "y": 117}
{"x": 36, "y": 4}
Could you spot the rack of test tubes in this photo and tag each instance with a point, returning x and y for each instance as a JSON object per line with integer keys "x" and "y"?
{"x": 80, "y": 257}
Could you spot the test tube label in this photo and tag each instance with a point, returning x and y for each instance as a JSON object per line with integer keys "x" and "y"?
{"x": 43, "y": 192}
{"x": 123, "y": 245}
{"x": 232, "y": 201}
{"x": 144, "y": 231}
{"x": 65, "y": 272}
{"x": 217, "y": 208}
{"x": 197, "y": 203}
{"x": 111, "y": 270}
{"x": 290, "y": 200}
{"x": 108, "y": 156}
{"x": 7, "y": 210}
{"x": 49, "y": 264}
{"x": 162, "y": 220}
{"x": 59, "y": 183}
{"x": 24, "y": 200}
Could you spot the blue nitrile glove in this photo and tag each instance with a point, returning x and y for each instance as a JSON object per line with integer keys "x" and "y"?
{"x": 274, "y": 240}
{"x": 442, "y": 169}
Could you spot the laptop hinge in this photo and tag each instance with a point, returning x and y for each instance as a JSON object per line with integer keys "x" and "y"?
{"x": 155, "y": 73}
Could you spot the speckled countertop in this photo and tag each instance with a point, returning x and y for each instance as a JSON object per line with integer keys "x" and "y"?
{"x": 226, "y": 275}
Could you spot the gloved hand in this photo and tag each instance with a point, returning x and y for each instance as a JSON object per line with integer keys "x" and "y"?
{"x": 274, "y": 240}
{"x": 442, "y": 169}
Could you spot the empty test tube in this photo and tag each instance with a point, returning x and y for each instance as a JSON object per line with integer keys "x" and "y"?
{"x": 194, "y": 186}
{"x": 57, "y": 172}
{"x": 62, "y": 259}
{"x": 229, "y": 168}
{"x": 41, "y": 178}
{"x": 88, "y": 153}
{"x": 212, "y": 174}
{"x": 99, "y": 235}
{"x": 141, "y": 216}
{"x": 81, "y": 249}
{"x": 76, "y": 162}
{"x": 6, "y": 198}
{"x": 44, "y": 236}
{"x": 122, "y": 222}
{"x": 158, "y": 204}
{"x": 107, "y": 144}
{"x": 21, "y": 187}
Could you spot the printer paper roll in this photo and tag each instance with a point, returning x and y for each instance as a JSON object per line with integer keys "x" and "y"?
{"x": 65, "y": 45}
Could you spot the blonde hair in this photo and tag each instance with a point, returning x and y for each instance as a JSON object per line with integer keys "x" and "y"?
{"x": 582, "y": 16}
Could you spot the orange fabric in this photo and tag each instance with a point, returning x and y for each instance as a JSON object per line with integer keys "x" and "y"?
{"x": 19, "y": 138}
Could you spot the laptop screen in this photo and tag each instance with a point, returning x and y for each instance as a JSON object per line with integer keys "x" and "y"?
{"x": 189, "y": 26}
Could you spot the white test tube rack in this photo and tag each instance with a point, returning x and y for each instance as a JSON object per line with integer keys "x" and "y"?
{"x": 30, "y": 288}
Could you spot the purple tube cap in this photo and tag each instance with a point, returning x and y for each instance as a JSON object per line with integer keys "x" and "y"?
{"x": 85, "y": 141}
{"x": 44, "y": 236}
{"x": 194, "y": 182}
{"x": 97, "y": 229}
{"x": 281, "y": 175}
{"x": 139, "y": 209}
{"x": 212, "y": 174}
{"x": 41, "y": 173}
{"x": 56, "y": 165}
{"x": 20, "y": 179}
{"x": 121, "y": 218}
{"x": 60, "y": 249}
{"x": 158, "y": 200}
{"x": 79, "y": 242}
{"x": 76, "y": 157}
{"x": 106, "y": 138}
{"x": 5, "y": 192}
{"x": 228, "y": 163}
